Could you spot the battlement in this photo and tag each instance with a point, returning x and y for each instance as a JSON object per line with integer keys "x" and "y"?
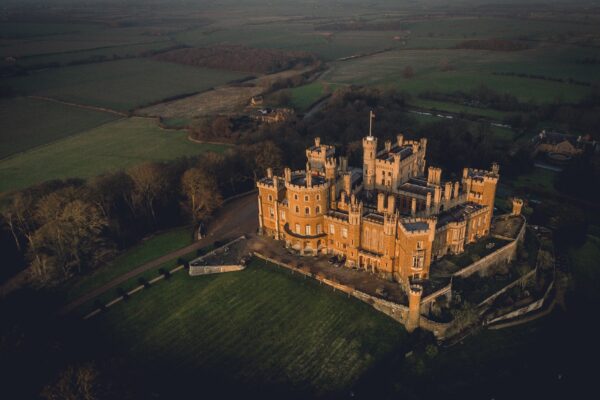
{"x": 305, "y": 181}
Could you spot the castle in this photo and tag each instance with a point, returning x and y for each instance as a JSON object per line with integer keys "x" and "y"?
{"x": 391, "y": 217}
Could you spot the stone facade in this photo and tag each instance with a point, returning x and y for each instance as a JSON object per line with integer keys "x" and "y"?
{"x": 387, "y": 217}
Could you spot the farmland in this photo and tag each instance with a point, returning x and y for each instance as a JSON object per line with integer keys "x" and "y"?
{"x": 260, "y": 325}
{"x": 110, "y": 147}
{"x": 52, "y": 121}
{"x": 121, "y": 85}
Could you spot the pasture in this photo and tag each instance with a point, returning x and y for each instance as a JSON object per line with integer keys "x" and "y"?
{"x": 259, "y": 328}
{"x": 110, "y": 147}
{"x": 121, "y": 85}
{"x": 52, "y": 121}
{"x": 303, "y": 97}
{"x": 465, "y": 70}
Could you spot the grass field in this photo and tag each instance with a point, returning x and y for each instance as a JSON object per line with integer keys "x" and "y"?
{"x": 259, "y": 326}
{"x": 121, "y": 85}
{"x": 148, "y": 250}
{"x": 27, "y": 123}
{"x": 471, "y": 70}
{"x": 304, "y": 96}
{"x": 587, "y": 268}
{"x": 110, "y": 147}
{"x": 540, "y": 179}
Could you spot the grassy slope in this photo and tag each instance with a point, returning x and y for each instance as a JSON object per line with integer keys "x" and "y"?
{"x": 122, "y": 85}
{"x": 52, "y": 121}
{"x": 304, "y": 96}
{"x": 113, "y": 146}
{"x": 146, "y": 251}
{"x": 586, "y": 267}
{"x": 260, "y": 325}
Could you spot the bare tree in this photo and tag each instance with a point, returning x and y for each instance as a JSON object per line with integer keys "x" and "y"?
{"x": 201, "y": 191}
{"x": 150, "y": 184}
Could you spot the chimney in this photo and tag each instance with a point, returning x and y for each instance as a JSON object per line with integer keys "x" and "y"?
{"x": 413, "y": 207}
{"x": 388, "y": 145}
{"x": 465, "y": 173}
{"x": 347, "y": 183}
{"x": 448, "y": 191}
{"x": 428, "y": 204}
{"x": 287, "y": 173}
{"x": 317, "y": 141}
{"x": 391, "y": 205}
{"x": 270, "y": 173}
{"x": 433, "y": 175}
{"x": 308, "y": 179}
{"x": 437, "y": 195}
{"x": 400, "y": 139}
{"x": 456, "y": 189}
{"x": 380, "y": 202}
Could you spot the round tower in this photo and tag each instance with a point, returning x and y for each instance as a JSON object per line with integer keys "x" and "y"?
{"x": 414, "y": 307}
{"x": 369, "y": 155}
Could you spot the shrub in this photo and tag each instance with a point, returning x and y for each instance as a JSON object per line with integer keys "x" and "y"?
{"x": 143, "y": 281}
{"x": 123, "y": 293}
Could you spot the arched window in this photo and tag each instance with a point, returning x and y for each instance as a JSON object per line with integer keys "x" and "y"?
{"x": 270, "y": 198}
{"x": 295, "y": 197}
{"x": 305, "y": 197}
{"x": 297, "y": 209}
{"x": 318, "y": 197}
{"x": 318, "y": 209}
{"x": 307, "y": 210}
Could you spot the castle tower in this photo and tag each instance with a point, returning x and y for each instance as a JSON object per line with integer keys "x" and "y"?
{"x": 369, "y": 156}
{"x": 330, "y": 169}
{"x": 517, "y": 206}
{"x": 414, "y": 307}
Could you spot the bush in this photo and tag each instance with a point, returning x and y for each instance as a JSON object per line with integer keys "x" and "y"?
{"x": 143, "y": 281}
{"x": 123, "y": 293}
{"x": 164, "y": 272}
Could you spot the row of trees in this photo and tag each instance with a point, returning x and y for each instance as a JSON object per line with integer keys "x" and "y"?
{"x": 65, "y": 228}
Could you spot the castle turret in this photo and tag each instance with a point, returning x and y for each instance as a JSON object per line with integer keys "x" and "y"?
{"x": 434, "y": 175}
{"x": 517, "y": 206}
{"x": 369, "y": 156}
{"x": 414, "y": 307}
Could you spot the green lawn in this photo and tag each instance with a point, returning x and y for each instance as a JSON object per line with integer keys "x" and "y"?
{"x": 586, "y": 267}
{"x": 122, "y": 85}
{"x": 148, "y": 250}
{"x": 259, "y": 326}
{"x": 538, "y": 178}
{"x": 459, "y": 108}
{"x": 110, "y": 147}
{"x": 304, "y": 96}
{"x": 27, "y": 123}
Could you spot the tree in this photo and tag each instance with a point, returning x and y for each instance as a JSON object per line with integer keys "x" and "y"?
{"x": 69, "y": 238}
{"x": 408, "y": 72}
{"x": 201, "y": 191}
{"x": 150, "y": 184}
{"x": 77, "y": 382}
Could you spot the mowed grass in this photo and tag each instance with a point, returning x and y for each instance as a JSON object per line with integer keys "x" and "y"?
{"x": 259, "y": 326}
{"x": 110, "y": 147}
{"x": 304, "y": 96}
{"x": 122, "y": 85}
{"x": 27, "y": 123}
{"x": 538, "y": 179}
{"x": 586, "y": 267}
{"x": 470, "y": 70}
{"x": 148, "y": 250}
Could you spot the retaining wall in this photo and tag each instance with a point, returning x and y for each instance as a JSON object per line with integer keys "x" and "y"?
{"x": 214, "y": 269}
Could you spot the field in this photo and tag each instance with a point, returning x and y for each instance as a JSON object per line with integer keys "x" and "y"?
{"x": 110, "y": 147}
{"x": 148, "y": 250}
{"x": 586, "y": 268}
{"x": 304, "y": 96}
{"x": 121, "y": 85}
{"x": 470, "y": 69}
{"x": 260, "y": 327}
{"x": 52, "y": 121}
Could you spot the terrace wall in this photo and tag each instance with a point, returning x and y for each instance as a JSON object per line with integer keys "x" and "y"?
{"x": 213, "y": 269}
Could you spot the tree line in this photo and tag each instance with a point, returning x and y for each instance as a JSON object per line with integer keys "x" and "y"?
{"x": 66, "y": 228}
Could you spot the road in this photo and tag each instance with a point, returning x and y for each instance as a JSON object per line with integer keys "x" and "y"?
{"x": 237, "y": 217}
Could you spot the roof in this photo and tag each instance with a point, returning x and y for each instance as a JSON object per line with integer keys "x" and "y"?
{"x": 299, "y": 178}
{"x": 414, "y": 226}
{"x": 403, "y": 151}
{"x": 458, "y": 213}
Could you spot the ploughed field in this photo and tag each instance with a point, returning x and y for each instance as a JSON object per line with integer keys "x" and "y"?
{"x": 259, "y": 327}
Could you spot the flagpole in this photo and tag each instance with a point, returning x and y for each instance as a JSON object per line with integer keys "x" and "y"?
{"x": 370, "y": 123}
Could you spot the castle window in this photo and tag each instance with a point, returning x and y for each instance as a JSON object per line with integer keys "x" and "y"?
{"x": 332, "y": 229}
{"x": 318, "y": 209}
{"x": 297, "y": 209}
{"x": 298, "y": 229}
{"x": 307, "y": 230}
{"x": 307, "y": 210}
{"x": 270, "y": 198}
{"x": 295, "y": 197}
{"x": 419, "y": 245}
{"x": 382, "y": 181}
{"x": 271, "y": 212}
{"x": 283, "y": 215}
{"x": 345, "y": 233}
{"x": 389, "y": 174}
{"x": 318, "y": 197}
{"x": 306, "y": 198}
{"x": 319, "y": 229}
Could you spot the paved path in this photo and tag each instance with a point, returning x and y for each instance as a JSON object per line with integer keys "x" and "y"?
{"x": 237, "y": 217}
